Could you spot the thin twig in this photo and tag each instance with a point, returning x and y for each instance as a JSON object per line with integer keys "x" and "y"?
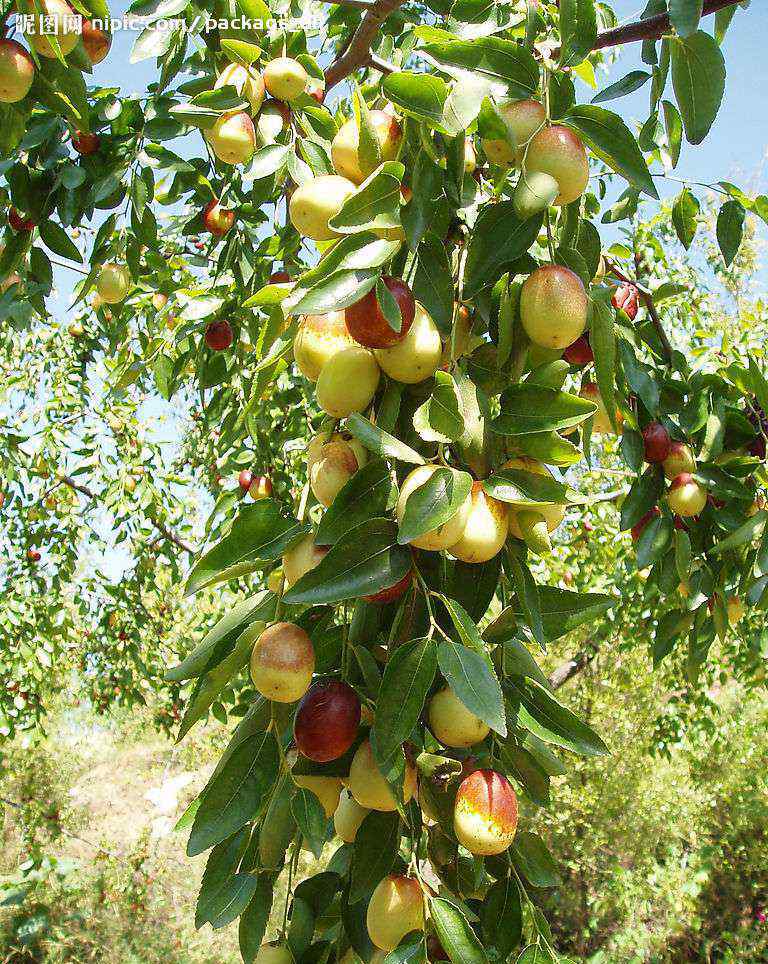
{"x": 647, "y": 298}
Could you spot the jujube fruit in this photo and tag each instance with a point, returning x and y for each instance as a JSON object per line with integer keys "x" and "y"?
{"x": 368, "y": 786}
{"x": 326, "y": 789}
{"x": 452, "y": 723}
{"x": 396, "y": 908}
{"x": 318, "y": 339}
{"x": 247, "y": 81}
{"x": 553, "y": 306}
{"x": 448, "y": 532}
{"x": 282, "y": 663}
{"x": 485, "y": 813}
{"x": 686, "y": 497}
{"x": 113, "y": 283}
{"x": 285, "y": 78}
{"x": 327, "y": 721}
{"x": 348, "y": 382}
{"x": 625, "y": 298}
{"x": 418, "y": 355}
{"x": 85, "y": 144}
{"x": 579, "y": 352}
{"x": 260, "y": 487}
{"x": 17, "y": 72}
{"x": 219, "y": 335}
{"x": 331, "y": 463}
{"x": 559, "y": 152}
{"x": 301, "y": 558}
{"x": 523, "y": 118}
{"x": 679, "y": 459}
{"x": 391, "y": 593}
{"x": 233, "y": 138}
{"x": 314, "y": 203}
{"x": 656, "y": 442}
{"x": 54, "y": 18}
{"x": 274, "y": 954}
{"x": 601, "y": 423}
{"x": 348, "y": 817}
{"x": 96, "y": 42}
{"x": 367, "y": 324}
{"x": 344, "y": 149}
{"x": 217, "y": 220}
{"x": 534, "y": 192}
{"x": 485, "y": 530}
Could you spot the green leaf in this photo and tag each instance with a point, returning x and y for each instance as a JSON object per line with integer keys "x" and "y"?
{"x": 499, "y": 238}
{"x": 433, "y": 281}
{"x": 612, "y": 141}
{"x": 259, "y": 534}
{"x": 501, "y": 916}
{"x": 516, "y": 485}
{"x": 368, "y": 494}
{"x": 234, "y": 793}
{"x": 602, "y": 338}
{"x": 562, "y": 611}
{"x": 698, "y": 78}
{"x": 528, "y": 772}
{"x": 365, "y": 561}
{"x": 440, "y": 418}
{"x": 408, "y": 677}
{"x": 528, "y": 409}
{"x": 456, "y": 937}
{"x": 433, "y": 503}
{"x": 381, "y": 443}
{"x": 421, "y": 96}
{"x": 56, "y": 238}
{"x": 374, "y": 853}
{"x": 474, "y": 682}
{"x": 217, "y": 883}
{"x": 527, "y": 593}
{"x": 730, "y": 229}
{"x": 253, "y": 921}
{"x": 632, "y": 81}
{"x": 644, "y": 493}
{"x": 685, "y": 212}
{"x": 673, "y": 125}
{"x": 549, "y": 447}
{"x": 552, "y": 722}
{"x": 748, "y": 532}
{"x": 268, "y": 161}
{"x": 375, "y": 204}
{"x": 369, "y": 147}
{"x": 578, "y": 30}
{"x": 534, "y": 861}
{"x": 684, "y": 15}
{"x": 310, "y": 819}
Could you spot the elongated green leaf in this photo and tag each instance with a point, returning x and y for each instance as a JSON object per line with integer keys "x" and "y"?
{"x": 530, "y": 409}
{"x": 433, "y": 503}
{"x": 502, "y": 917}
{"x": 474, "y": 682}
{"x": 552, "y": 722}
{"x": 365, "y": 561}
{"x": 407, "y": 680}
{"x": 562, "y": 611}
{"x": 730, "y": 229}
{"x": 376, "y": 440}
{"x": 253, "y": 921}
{"x": 374, "y": 852}
{"x": 259, "y": 534}
{"x": 534, "y": 861}
{"x": 602, "y": 338}
{"x": 440, "y": 418}
{"x": 578, "y": 30}
{"x": 684, "y": 15}
{"x": 685, "y": 213}
{"x": 375, "y": 204}
{"x": 519, "y": 486}
{"x": 498, "y": 239}
{"x": 644, "y": 493}
{"x": 613, "y": 142}
{"x": 310, "y": 818}
{"x": 368, "y": 494}
{"x": 632, "y": 81}
{"x": 455, "y": 934}
{"x": 56, "y": 238}
{"x": 698, "y": 78}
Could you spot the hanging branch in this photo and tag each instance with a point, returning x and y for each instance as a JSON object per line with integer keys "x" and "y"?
{"x": 651, "y": 28}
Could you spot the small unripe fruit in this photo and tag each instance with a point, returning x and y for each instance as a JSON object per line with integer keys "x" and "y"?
{"x": 348, "y": 817}
{"x": 326, "y": 789}
{"x": 301, "y": 558}
{"x": 680, "y": 459}
{"x": 245, "y": 479}
{"x": 486, "y": 528}
{"x": 417, "y": 357}
{"x": 273, "y": 118}
{"x": 445, "y": 535}
{"x": 686, "y": 497}
{"x": 274, "y": 954}
{"x": 637, "y": 529}
{"x": 85, "y": 144}
{"x": 553, "y": 306}
{"x": 314, "y": 203}
{"x": 601, "y": 423}
{"x": 282, "y": 663}
{"x": 285, "y": 78}
{"x": 344, "y": 149}
{"x": 96, "y": 42}
{"x": 18, "y": 222}
{"x": 54, "y": 18}
{"x": 368, "y": 786}
{"x": 524, "y": 118}
{"x": 219, "y": 335}
{"x": 393, "y": 592}
{"x": 113, "y": 283}
{"x": 327, "y": 721}
{"x": 233, "y": 138}
{"x": 247, "y": 81}
{"x": 260, "y": 488}
{"x": 534, "y": 192}
{"x": 17, "y": 72}
{"x": 217, "y": 220}
{"x": 318, "y": 339}
{"x": 485, "y": 813}
{"x": 367, "y": 324}
{"x": 396, "y": 909}
{"x": 579, "y": 353}
{"x": 656, "y": 442}
{"x": 331, "y": 463}
{"x": 159, "y": 301}
{"x": 625, "y": 298}
{"x": 452, "y": 723}
{"x": 348, "y": 382}
{"x": 559, "y": 152}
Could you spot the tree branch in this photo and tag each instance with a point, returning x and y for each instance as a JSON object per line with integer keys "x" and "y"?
{"x": 572, "y": 667}
{"x": 358, "y": 53}
{"x": 168, "y": 533}
{"x": 652, "y": 28}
